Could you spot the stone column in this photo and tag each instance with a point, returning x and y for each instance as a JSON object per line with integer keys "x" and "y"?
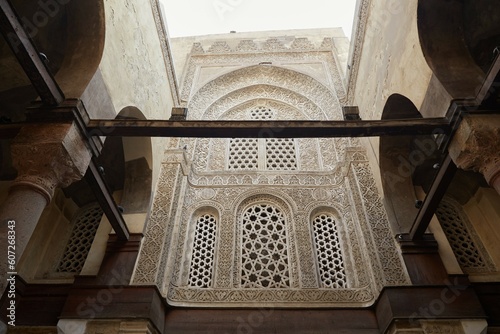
{"x": 46, "y": 156}
{"x": 476, "y": 147}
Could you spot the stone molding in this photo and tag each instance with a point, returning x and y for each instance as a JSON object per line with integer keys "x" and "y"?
{"x": 270, "y": 44}
{"x": 49, "y": 156}
{"x": 166, "y": 50}
{"x": 357, "y": 48}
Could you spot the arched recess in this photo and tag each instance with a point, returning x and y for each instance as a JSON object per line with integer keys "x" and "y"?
{"x": 407, "y": 162}
{"x": 297, "y": 96}
{"x": 138, "y": 162}
{"x": 395, "y": 167}
{"x": 329, "y": 248}
{"x": 285, "y": 82}
{"x": 70, "y": 34}
{"x": 200, "y": 248}
{"x": 264, "y": 234}
{"x": 458, "y": 39}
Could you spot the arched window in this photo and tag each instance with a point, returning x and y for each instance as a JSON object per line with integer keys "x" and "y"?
{"x": 202, "y": 259}
{"x": 465, "y": 244}
{"x": 86, "y": 221}
{"x": 264, "y": 258}
{"x": 328, "y": 252}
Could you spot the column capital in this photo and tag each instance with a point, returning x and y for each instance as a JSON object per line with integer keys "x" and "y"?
{"x": 48, "y": 156}
{"x": 476, "y": 146}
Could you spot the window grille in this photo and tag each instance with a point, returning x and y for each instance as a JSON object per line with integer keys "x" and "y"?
{"x": 262, "y": 154}
{"x": 243, "y": 153}
{"x": 202, "y": 260}
{"x": 261, "y": 113}
{"x": 462, "y": 243}
{"x": 329, "y": 253}
{"x": 280, "y": 154}
{"x": 86, "y": 222}
{"x": 264, "y": 248}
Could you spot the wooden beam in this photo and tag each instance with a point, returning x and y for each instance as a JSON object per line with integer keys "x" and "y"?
{"x": 266, "y": 129}
{"x": 26, "y": 53}
{"x": 433, "y": 198}
{"x": 106, "y": 201}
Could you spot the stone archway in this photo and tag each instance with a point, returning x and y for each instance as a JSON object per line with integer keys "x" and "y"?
{"x": 395, "y": 167}
{"x": 138, "y": 162}
{"x": 458, "y": 39}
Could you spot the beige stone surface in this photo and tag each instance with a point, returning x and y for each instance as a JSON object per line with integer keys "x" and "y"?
{"x": 133, "y": 65}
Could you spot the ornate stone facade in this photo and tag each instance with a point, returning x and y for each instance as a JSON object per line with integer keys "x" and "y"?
{"x": 229, "y": 177}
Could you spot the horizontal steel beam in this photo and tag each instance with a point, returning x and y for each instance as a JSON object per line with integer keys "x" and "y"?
{"x": 266, "y": 129}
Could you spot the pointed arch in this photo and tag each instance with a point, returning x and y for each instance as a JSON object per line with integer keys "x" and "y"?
{"x": 399, "y": 193}
{"x": 284, "y": 82}
{"x": 458, "y": 39}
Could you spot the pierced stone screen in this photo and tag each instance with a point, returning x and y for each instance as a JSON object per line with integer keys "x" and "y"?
{"x": 329, "y": 253}
{"x": 262, "y": 113}
{"x": 264, "y": 248}
{"x": 85, "y": 227}
{"x": 200, "y": 273}
{"x": 243, "y": 153}
{"x": 280, "y": 154}
{"x": 463, "y": 246}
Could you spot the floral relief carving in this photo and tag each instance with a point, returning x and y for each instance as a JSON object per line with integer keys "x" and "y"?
{"x": 268, "y": 77}
{"x": 157, "y": 227}
{"x": 308, "y": 150}
{"x": 376, "y": 227}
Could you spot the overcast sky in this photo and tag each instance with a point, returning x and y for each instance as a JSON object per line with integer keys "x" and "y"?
{"x": 202, "y": 17}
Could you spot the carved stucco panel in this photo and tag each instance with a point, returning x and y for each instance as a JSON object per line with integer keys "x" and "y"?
{"x": 308, "y": 154}
{"x": 388, "y": 263}
{"x": 158, "y": 225}
{"x": 217, "y": 157}
{"x": 325, "y": 57}
{"x": 272, "y": 77}
{"x": 227, "y": 289}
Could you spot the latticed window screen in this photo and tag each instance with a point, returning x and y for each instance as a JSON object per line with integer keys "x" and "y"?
{"x": 263, "y": 154}
{"x": 329, "y": 253}
{"x": 86, "y": 222}
{"x": 463, "y": 245}
{"x": 202, "y": 260}
{"x": 243, "y": 153}
{"x": 264, "y": 259}
{"x": 261, "y": 113}
{"x": 280, "y": 154}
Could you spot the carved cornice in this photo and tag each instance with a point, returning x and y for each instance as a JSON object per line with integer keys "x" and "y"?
{"x": 49, "y": 156}
{"x": 269, "y": 45}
